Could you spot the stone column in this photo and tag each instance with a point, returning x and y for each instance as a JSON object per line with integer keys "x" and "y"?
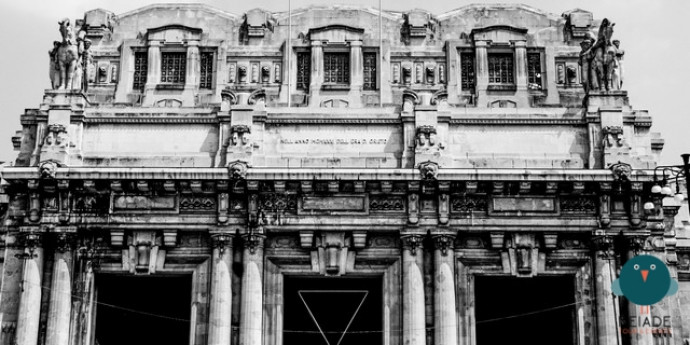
{"x": 520, "y": 65}
{"x": 356, "y": 66}
{"x": 445, "y": 314}
{"x": 414, "y": 325}
{"x": 316, "y": 73}
{"x": 153, "y": 74}
{"x": 251, "y": 308}
{"x": 482, "y": 67}
{"x": 193, "y": 65}
{"x": 60, "y": 307}
{"x": 606, "y": 302}
{"x": 220, "y": 311}
{"x": 28, "y": 317}
{"x": 635, "y": 246}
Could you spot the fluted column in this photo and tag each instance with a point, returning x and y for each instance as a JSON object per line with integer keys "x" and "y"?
{"x": 445, "y": 315}
{"x": 251, "y": 309}
{"x": 30, "y": 298}
{"x": 60, "y": 306}
{"x": 220, "y": 311}
{"x": 606, "y": 302}
{"x": 414, "y": 332}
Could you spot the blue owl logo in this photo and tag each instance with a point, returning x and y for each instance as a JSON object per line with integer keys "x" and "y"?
{"x": 645, "y": 280}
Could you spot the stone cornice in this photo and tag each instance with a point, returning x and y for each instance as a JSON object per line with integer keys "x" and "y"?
{"x": 323, "y": 174}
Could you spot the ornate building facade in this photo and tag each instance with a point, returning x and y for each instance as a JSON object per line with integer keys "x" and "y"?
{"x": 335, "y": 175}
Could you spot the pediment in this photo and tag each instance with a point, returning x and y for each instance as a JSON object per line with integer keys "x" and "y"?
{"x": 174, "y": 34}
{"x": 499, "y": 34}
{"x": 336, "y": 33}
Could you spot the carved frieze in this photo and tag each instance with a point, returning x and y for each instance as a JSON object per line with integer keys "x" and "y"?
{"x": 197, "y": 203}
{"x": 90, "y": 203}
{"x": 387, "y": 203}
{"x": 278, "y": 202}
{"x": 468, "y": 203}
{"x": 578, "y": 204}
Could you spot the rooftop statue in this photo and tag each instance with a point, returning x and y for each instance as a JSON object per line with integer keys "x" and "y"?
{"x": 600, "y": 61}
{"x": 66, "y": 58}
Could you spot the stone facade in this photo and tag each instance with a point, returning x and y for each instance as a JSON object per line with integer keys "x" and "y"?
{"x": 247, "y": 150}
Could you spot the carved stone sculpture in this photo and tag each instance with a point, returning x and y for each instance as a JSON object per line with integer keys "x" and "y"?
{"x": 48, "y": 170}
{"x": 613, "y": 136}
{"x": 600, "y": 61}
{"x": 428, "y": 170}
{"x": 66, "y": 56}
{"x": 238, "y": 170}
{"x": 240, "y": 135}
{"x": 426, "y": 139}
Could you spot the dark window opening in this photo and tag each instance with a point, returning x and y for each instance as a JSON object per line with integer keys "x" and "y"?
{"x": 141, "y": 64}
{"x": 336, "y": 68}
{"x": 138, "y": 310}
{"x": 534, "y": 74}
{"x": 369, "y": 71}
{"x": 537, "y": 310}
{"x": 318, "y": 308}
{"x": 303, "y": 70}
{"x": 501, "y": 69}
{"x": 206, "y": 71}
{"x": 467, "y": 71}
{"x": 173, "y": 68}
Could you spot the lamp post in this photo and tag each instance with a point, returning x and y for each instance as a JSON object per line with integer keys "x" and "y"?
{"x": 670, "y": 173}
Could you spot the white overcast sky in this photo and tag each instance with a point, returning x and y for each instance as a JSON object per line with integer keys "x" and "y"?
{"x": 652, "y": 32}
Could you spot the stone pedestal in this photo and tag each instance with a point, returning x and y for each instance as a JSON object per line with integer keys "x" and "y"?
{"x": 445, "y": 315}
{"x": 606, "y": 302}
{"x": 251, "y": 308}
{"x": 414, "y": 326}
{"x": 220, "y": 311}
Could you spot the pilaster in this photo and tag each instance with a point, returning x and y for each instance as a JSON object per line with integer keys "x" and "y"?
{"x": 606, "y": 303}
{"x": 251, "y": 308}
{"x": 220, "y": 311}
{"x": 445, "y": 315}
{"x": 28, "y": 317}
{"x": 414, "y": 326}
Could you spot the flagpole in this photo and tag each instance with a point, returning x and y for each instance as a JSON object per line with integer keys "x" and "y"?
{"x": 289, "y": 55}
{"x": 380, "y": 56}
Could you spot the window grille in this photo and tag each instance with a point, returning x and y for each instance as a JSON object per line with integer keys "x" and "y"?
{"x": 173, "y": 68}
{"x": 206, "y": 71}
{"x": 534, "y": 70}
{"x": 369, "y": 71}
{"x": 467, "y": 71}
{"x": 337, "y": 68}
{"x": 303, "y": 70}
{"x": 501, "y": 69}
{"x": 141, "y": 64}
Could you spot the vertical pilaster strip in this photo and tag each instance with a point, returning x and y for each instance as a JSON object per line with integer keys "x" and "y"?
{"x": 316, "y": 73}
{"x": 606, "y": 302}
{"x": 356, "y": 66}
{"x": 193, "y": 65}
{"x": 220, "y": 311}
{"x": 635, "y": 246}
{"x": 153, "y": 74}
{"x": 60, "y": 307}
{"x": 251, "y": 308}
{"x": 414, "y": 332}
{"x": 521, "y": 65}
{"x": 445, "y": 314}
{"x": 30, "y": 298}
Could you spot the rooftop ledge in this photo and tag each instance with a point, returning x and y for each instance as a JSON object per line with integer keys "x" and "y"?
{"x": 447, "y": 174}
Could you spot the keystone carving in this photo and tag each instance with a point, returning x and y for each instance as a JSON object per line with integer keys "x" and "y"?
{"x": 428, "y": 170}
{"x": 48, "y": 169}
{"x": 238, "y": 170}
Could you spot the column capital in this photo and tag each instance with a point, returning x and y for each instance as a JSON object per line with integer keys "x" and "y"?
{"x": 603, "y": 244}
{"x": 481, "y": 44}
{"x": 30, "y": 241}
{"x": 253, "y": 241}
{"x": 64, "y": 242}
{"x": 444, "y": 242}
{"x": 519, "y": 44}
{"x": 355, "y": 43}
{"x": 412, "y": 242}
{"x": 221, "y": 241}
{"x": 316, "y": 44}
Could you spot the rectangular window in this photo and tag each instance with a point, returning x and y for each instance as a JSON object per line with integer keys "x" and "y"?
{"x": 141, "y": 64}
{"x": 303, "y": 70}
{"x": 467, "y": 71}
{"x": 534, "y": 71}
{"x": 173, "y": 68}
{"x": 206, "y": 71}
{"x": 501, "y": 69}
{"x": 336, "y": 68}
{"x": 369, "y": 71}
